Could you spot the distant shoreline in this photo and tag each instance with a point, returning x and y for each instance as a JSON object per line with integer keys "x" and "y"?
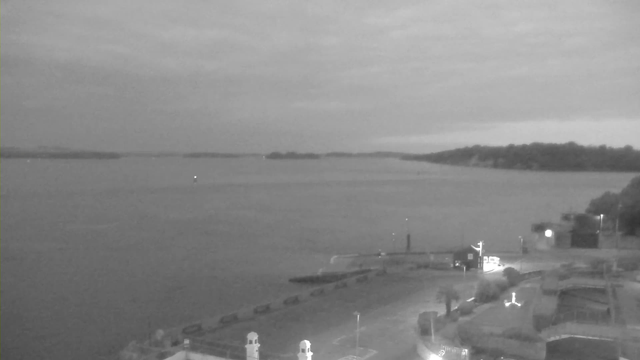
{"x": 214, "y": 155}
{"x": 292, "y": 156}
{"x": 569, "y": 157}
{"x": 40, "y": 154}
{"x": 43, "y": 152}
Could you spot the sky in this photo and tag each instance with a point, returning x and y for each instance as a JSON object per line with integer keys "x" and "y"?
{"x": 361, "y": 75}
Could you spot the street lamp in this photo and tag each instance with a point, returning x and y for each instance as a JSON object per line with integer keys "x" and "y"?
{"x": 617, "y": 222}
{"x": 479, "y": 249}
{"x": 408, "y": 235}
{"x": 394, "y": 241}
{"x": 548, "y": 233}
{"x": 615, "y": 261}
{"x": 521, "y": 252}
{"x": 601, "y": 217}
{"x": 357, "y": 314}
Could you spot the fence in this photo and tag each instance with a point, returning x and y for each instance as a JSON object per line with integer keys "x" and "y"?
{"x": 582, "y": 282}
{"x": 527, "y": 350}
{"x": 572, "y": 329}
{"x": 582, "y": 317}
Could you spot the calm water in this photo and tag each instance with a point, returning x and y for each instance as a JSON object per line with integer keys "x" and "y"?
{"x": 95, "y": 253}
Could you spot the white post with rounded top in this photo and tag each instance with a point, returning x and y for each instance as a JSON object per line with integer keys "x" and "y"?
{"x": 305, "y": 350}
{"x": 252, "y": 346}
{"x": 185, "y": 346}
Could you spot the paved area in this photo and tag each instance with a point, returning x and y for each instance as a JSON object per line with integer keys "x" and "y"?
{"x": 388, "y": 307}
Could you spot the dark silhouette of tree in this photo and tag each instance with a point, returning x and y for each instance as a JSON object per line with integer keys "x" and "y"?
{"x": 447, "y": 294}
{"x": 630, "y": 206}
{"x": 624, "y": 206}
{"x": 606, "y": 204}
{"x": 539, "y": 156}
{"x": 512, "y": 275}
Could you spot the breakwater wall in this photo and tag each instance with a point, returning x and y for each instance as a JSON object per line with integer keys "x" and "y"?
{"x": 167, "y": 338}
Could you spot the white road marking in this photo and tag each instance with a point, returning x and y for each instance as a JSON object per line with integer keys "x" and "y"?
{"x": 337, "y": 341}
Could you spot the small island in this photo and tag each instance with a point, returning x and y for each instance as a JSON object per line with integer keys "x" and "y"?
{"x": 212, "y": 155}
{"x": 44, "y": 152}
{"x": 376, "y": 154}
{"x": 539, "y": 156}
{"x": 292, "y": 156}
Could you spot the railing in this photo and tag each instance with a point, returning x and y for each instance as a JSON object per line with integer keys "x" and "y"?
{"x": 583, "y": 282}
{"x": 582, "y": 317}
{"x": 571, "y": 329}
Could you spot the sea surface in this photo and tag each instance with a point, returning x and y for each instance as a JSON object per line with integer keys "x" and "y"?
{"x": 96, "y": 253}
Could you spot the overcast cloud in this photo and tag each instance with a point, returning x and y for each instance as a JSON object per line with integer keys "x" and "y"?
{"x": 245, "y": 76}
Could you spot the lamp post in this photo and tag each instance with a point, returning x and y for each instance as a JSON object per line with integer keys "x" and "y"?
{"x": 600, "y": 231}
{"x": 408, "y": 235}
{"x": 617, "y": 223}
{"x": 393, "y": 241}
{"x": 615, "y": 260}
{"x": 433, "y": 335}
{"x": 521, "y": 252}
{"x": 357, "y": 314}
{"x": 479, "y": 249}
{"x": 601, "y": 217}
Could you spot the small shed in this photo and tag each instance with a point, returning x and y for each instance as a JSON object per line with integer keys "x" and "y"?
{"x": 466, "y": 256}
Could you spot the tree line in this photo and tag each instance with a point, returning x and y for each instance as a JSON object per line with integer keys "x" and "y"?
{"x": 46, "y": 153}
{"x": 540, "y": 156}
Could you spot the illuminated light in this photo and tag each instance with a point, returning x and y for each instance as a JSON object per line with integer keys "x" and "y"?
{"x": 471, "y": 299}
{"x": 513, "y": 301}
{"x": 548, "y": 233}
{"x": 434, "y": 357}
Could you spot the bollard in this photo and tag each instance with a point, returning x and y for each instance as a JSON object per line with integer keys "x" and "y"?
{"x": 252, "y": 346}
{"x": 305, "y": 350}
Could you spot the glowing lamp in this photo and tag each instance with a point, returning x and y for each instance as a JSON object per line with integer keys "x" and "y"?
{"x": 548, "y": 233}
